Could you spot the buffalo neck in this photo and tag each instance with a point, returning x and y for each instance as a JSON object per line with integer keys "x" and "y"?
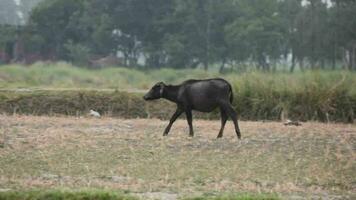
{"x": 170, "y": 92}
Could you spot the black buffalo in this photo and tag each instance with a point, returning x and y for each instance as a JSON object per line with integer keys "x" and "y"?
{"x": 199, "y": 95}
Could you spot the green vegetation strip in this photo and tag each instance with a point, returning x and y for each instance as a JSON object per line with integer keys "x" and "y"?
{"x": 78, "y": 103}
{"x": 65, "y": 195}
{"x": 239, "y": 197}
{"x": 310, "y": 95}
{"x": 254, "y": 104}
{"x": 109, "y": 195}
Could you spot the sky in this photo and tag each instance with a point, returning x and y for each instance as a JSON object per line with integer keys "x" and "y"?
{"x": 19, "y": 13}
{"x": 305, "y": 2}
{"x": 17, "y": 2}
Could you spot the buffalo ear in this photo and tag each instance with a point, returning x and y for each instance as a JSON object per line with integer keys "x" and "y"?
{"x": 159, "y": 84}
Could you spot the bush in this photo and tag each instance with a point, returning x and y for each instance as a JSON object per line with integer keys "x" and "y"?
{"x": 78, "y": 53}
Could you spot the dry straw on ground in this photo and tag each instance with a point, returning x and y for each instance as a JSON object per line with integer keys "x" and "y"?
{"x": 50, "y": 152}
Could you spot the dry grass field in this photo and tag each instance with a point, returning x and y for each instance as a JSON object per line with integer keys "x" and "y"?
{"x": 314, "y": 160}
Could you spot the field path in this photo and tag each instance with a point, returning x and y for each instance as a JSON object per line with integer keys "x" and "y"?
{"x": 312, "y": 160}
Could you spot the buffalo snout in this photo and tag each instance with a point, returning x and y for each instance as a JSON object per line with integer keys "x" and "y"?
{"x": 148, "y": 96}
{"x": 145, "y": 97}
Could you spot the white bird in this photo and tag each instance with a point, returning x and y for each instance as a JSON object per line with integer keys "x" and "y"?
{"x": 292, "y": 123}
{"x": 94, "y": 113}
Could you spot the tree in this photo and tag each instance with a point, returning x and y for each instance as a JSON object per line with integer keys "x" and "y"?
{"x": 258, "y": 32}
{"x": 289, "y": 11}
{"x": 8, "y": 36}
{"x": 52, "y": 21}
{"x": 191, "y": 33}
{"x": 26, "y": 6}
{"x": 343, "y": 20}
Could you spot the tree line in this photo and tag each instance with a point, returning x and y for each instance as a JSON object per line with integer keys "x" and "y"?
{"x": 314, "y": 34}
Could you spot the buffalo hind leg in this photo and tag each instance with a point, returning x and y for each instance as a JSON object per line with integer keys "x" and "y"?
{"x": 231, "y": 113}
{"x": 223, "y": 122}
{"x": 188, "y": 113}
{"x": 178, "y": 112}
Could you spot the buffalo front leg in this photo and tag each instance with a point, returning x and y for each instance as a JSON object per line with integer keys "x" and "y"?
{"x": 223, "y": 122}
{"x": 188, "y": 113}
{"x": 172, "y": 120}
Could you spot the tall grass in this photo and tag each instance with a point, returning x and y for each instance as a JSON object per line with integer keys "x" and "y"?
{"x": 306, "y": 96}
{"x": 310, "y": 95}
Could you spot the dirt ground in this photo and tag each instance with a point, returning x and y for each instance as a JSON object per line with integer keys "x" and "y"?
{"x": 314, "y": 160}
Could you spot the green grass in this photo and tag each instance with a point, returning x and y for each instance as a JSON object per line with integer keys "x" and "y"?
{"x": 63, "y": 75}
{"x": 238, "y": 197}
{"x": 64, "y": 195}
{"x": 95, "y": 194}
